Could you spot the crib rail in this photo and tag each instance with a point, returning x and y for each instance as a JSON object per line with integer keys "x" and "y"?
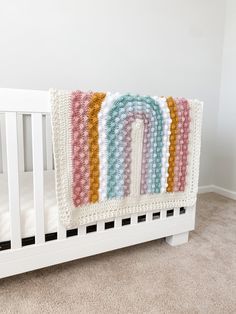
{"x": 24, "y": 101}
{"x": 14, "y": 106}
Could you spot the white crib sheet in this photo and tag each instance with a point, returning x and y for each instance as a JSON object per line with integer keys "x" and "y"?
{"x": 27, "y": 205}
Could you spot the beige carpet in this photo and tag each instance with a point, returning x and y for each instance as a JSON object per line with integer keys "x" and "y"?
{"x": 198, "y": 277}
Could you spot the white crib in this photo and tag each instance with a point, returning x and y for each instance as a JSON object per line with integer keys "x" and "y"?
{"x": 33, "y": 243}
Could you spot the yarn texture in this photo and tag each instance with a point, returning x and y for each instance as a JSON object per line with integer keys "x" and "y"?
{"x": 120, "y": 154}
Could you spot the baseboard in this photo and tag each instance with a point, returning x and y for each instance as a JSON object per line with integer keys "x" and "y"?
{"x": 218, "y": 190}
{"x": 205, "y": 189}
{"x": 224, "y": 192}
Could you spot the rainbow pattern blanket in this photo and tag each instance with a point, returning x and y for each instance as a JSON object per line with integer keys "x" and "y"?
{"x": 117, "y": 154}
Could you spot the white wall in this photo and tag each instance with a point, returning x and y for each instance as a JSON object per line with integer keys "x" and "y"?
{"x": 225, "y": 174}
{"x": 164, "y": 47}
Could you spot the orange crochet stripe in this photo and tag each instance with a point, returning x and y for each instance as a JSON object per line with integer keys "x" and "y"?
{"x": 173, "y": 128}
{"x": 93, "y": 110}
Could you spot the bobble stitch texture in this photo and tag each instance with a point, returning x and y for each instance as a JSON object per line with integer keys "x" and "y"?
{"x": 94, "y": 107}
{"x": 182, "y": 144}
{"x": 115, "y": 174}
{"x": 80, "y": 149}
{"x": 172, "y": 148}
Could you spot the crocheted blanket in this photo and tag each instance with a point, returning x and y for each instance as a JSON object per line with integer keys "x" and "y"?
{"x": 117, "y": 154}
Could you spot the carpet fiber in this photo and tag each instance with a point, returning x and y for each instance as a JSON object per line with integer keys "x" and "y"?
{"x": 197, "y": 277}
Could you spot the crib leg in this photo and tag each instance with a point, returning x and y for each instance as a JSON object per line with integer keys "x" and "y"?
{"x": 177, "y": 239}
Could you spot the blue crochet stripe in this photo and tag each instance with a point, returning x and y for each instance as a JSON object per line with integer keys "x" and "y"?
{"x": 115, "y": 146}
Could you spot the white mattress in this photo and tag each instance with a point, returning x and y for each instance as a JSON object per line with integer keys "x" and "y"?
{"x": 27, "y": 206}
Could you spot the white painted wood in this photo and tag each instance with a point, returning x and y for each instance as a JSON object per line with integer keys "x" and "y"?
{"x": 61, "y": 231}
{"x": 37, "y": 147}
{"x": 13, "y": 179}
{"x": 224, "y": 192}
{"x": 20, "y": 136}
{"x": 82, "y": 230}
{"x": 134, "y": 218}
{"x": 177, "y": 239}
{"x": 218, "y": 190}
{"x": 118, "y": 222}
{"x": 100, "y": 226}
{"x": 163, "y": 214}
{"x": 205, "y": 189}
{"x": 149, "y": 216}
{"x": 176, "y": 211}
{"x": 24, "y": 101}
{"x": 59, "y": 251}
{"x": 49, "y": 152}
{"x": 3, "y": 142}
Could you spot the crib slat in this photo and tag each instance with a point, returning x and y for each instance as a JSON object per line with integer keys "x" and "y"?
{"x": 3, "y": 143}
{"x": 13, "y": 179}
{"x": 100, "y": 226}
{"x": 37, "y": 146}
{"x": 149, "y": 216}
{"x": 20, "y": 135}
{"x": 117, "y": 222}
{"x": 61, "y": 231}
{"x": 134, "y": 218}
{"x": 82, "y": 230}
{"x": 49, "y": 143}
